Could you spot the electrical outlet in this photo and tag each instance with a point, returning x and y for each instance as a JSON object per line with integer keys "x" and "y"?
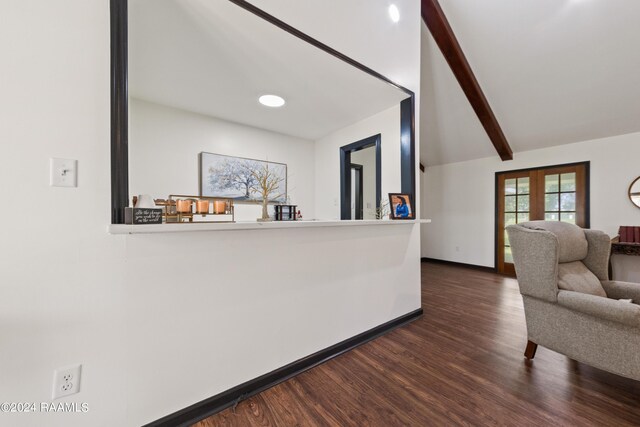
{"x": 66, "y": 381}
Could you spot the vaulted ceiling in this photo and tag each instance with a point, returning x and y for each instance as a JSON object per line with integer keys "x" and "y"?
{"x": 554, "y": 72}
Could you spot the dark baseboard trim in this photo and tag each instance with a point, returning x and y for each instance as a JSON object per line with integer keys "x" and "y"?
{"x": 459, "y": 264}
{"x": 226, "y": 399}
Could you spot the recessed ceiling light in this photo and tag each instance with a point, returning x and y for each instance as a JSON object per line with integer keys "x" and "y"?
{"x": 394, "y": 13}
{"x": 271, "y": 101}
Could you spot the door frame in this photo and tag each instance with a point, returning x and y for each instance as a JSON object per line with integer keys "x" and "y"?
{"x": 587, "y": 200}
{"x": 359, "y": 202}
{"x": 345, "y": 172}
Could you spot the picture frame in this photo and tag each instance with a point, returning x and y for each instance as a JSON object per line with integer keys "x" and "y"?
{"x": 397, "y": 211}
{"x": 228, "y": 177}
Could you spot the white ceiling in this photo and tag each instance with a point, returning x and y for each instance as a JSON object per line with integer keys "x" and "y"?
{"x": 553, "y": 71}
{"x": 214, "y": 58}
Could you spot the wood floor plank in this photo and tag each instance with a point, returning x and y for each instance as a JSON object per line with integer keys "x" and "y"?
{"x": 461, "y": 364}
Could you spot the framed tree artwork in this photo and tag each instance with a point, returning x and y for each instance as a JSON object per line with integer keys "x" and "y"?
{"x": 242, "y": 179}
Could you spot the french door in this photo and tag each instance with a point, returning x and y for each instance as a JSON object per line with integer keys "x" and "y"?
{"x": 552, "y": 193}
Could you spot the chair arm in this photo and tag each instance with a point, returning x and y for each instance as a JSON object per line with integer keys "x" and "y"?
{"x": 622, "y": 290}
{"x": 597, "y": 259}
{"x": 602, "y": 308}
{"x": 535, "y": 256}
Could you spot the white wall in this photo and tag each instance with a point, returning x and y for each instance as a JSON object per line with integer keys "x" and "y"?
{"x": 327, "y": 156}
{"x": 367, "y": 159}
{"x": 165, "y": 142}
{"x": 459, "y": 197}
{"x": 162, "y": 321}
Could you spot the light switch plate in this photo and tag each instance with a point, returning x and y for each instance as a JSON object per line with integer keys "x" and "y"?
{"x": 63, "y": 172}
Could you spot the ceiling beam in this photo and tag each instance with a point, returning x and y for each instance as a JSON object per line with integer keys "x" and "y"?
{"x": 445, "y": 38}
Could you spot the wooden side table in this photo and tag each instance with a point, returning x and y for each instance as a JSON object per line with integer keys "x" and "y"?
{"x": 618, "y": 248}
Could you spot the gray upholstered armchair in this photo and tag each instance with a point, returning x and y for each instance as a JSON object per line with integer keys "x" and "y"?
{"x": 570, "y": 305}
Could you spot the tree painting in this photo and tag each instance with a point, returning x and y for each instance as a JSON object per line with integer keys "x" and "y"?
{"x": 234, "y": 174}
{"x": 239, "y": 178}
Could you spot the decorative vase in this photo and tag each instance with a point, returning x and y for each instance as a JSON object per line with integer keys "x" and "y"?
{"x": 145, "y": 202}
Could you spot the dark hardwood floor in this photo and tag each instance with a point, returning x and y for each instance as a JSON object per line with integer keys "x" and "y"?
{"x": 460, "y": 364}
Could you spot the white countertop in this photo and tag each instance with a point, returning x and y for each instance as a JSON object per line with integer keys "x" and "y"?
{"x": 253, "y": 225}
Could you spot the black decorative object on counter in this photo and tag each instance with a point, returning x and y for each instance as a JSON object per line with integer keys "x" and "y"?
{"x": 142, "y": 216}
{"x": 285, "y": 212}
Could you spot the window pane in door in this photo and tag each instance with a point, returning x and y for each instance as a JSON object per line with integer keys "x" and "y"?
{"x": 551, "y": 202}
{"x": 523, "y": 203}
{"x": 568, "y": 202}
{"x": 551, "y": 183}
{"x": 510, "y": 203}
{"x": 509, "y": 218}
{"x": 523, "y": 217}
{"x": 568, "y": 217}
{"x": 506, "y": 238}
{"x": 523, "y": 185}
{"x": 508, "y": 257}
{"x": 510, "y": 186}
{"x": 568, "y": 182}
{"x": 551, "y": 216}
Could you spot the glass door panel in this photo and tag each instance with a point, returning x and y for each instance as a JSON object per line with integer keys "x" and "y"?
{"x": 515, "y": 207}
{"x": 560, "y": 196}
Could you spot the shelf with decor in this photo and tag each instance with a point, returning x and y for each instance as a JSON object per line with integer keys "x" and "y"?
{"x": 177, "y": 209}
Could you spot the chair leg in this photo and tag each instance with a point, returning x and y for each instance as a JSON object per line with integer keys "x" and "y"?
{"x": 530, "y": 351}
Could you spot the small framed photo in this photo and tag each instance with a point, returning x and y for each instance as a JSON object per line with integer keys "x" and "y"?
{"x": 401, "y": 206}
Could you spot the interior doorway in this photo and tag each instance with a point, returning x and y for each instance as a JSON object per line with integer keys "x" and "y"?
{"x": 360, "y": 179}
